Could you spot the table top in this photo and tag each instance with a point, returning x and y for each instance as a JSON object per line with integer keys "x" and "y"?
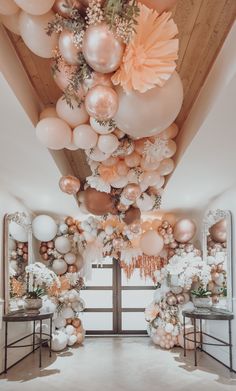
{"x": 211, "y": 315}
{"x": 24, "y": 317}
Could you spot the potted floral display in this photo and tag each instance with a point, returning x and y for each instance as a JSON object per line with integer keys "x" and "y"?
{"x": 201, "y": 298}
{"x": 33, "y": 300}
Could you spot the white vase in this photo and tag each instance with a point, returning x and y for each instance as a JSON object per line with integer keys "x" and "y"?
{"x": 202, "y": 302}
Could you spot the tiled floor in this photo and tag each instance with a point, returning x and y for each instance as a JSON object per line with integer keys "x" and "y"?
{"x": 118, "y": 363}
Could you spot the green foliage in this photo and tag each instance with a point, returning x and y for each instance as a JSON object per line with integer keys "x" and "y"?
{"x": 111, "y": 123}
{"x": 36, "y": 293}
{"x": 201, "y": 292}
{"x": 121, "y": 10}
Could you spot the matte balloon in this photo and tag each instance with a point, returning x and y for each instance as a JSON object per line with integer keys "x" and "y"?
{"x": 151, "y": 243}
{"x": 75, "y": 115}
{"x": 102, "y": 50}
{"x": 108, "y": 143}
{"x": 145, "y": 202}
{"x": 122, "y": 168}
{"x": 159, "y": 5}
{"x": 63, "y": 73}
{"x": 8, "y": 7}
{"x": 120, "y": 183}
{"x": 64, "y": 7}
{"x": 35, "y": 7}
{"x": 59, "y": 266}
{"x": 18, "y": 232}
{"x": 169, "y": 149}
{"x": 33, "y": 33}
{"x": 184, "y": 230}
{"x": 63, "y": 245}
{"x": 72, "y": 146}
{"x": 69, "y": 184}
{"x": 85, "y": 137}
{"x": 11, "y": 22}
{"x": 147, "y": 165}
{"x": 99, "y": 203}
{"x": 218, "y": 231}
{"x": 101, "y": 102}
{"x": 97, "y": 155}
{"x": 132, "y": 215}
{"x": 48, "y": 112}
{"x": 99, "y": 128}
{"x": 97, "y": 78}
{"x": 44, "y": 228}
{"x": 133, "y": 160}
{"x": 70, "y": 258}
{"x": 54, "y": 133}
{"x": 166, "y": 166}
{"x": 149, "y": 113}
{"x": 151, "y": 178}
{"x": 68, "y": 49}
{"x": 170, "y": 132}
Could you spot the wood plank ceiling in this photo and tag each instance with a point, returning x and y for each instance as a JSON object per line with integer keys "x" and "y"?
{"x": 203, "y": 26}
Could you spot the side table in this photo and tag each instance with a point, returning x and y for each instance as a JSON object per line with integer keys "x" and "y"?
{"x": 211, "y": 315}
{"x": 24, "y": 317}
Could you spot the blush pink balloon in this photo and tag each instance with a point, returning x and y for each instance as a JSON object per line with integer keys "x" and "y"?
{"x": 35, "y": 7}
{"x": 99, "y": 128}
{"x": 68, "y": 49}
{"x": 84, "y": 137}
{"x": 63, "y": 74}
{"x": 184, "y": 230}
{"x": 166, "y": 166}
{"x": 69, "y": 184}
{"x": 73, "y": 116}
{"x": 139, "y": 145}
{"x": 163, "y": 103}
{"x": 8, "y": 7}
{"x": 132, "y": 160}
{"x": 48, "y": 112}
{"x": 151, "y": 178}
{"x": 170, "y": 132}
{"x": 54, "y": 133}
{"x": 122, "y": 168}
{"x": 96, "y": 79}
{"x": 147, "y": 165}
{"x": 111, "y": 161}
{"x": 218, "y": 231}
{"x": 169, "y": 149}
{"x": 102, "y": 50}
{"x": 151, "y": 243}
{"x": 108, "y": 143}
{"x": 101, "y": 102}
{"x": 11, "y": 22}
{"x": 33, "y": 33}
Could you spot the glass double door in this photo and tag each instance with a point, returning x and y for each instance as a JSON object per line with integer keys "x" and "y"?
{"x": 114, "y": 304}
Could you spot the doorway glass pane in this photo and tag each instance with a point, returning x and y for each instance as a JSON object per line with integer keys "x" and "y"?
{"x": 133, "y": 321}
{"x": 97, "y": 321}
{"x": 100, "y": 277}
{"x": 136, "y": 299}
{"x": 97, "y": 299}
{"x": 135, "y": 280}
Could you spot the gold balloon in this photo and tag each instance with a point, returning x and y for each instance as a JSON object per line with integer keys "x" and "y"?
{"x": 101, "y": 102}
{"x": 68, "y": 49}
{"x": 102, "y": 50}
{"x": 184, "y": 230}
{"x": 218, "y": 231}
{"x": 64, "y": 7}
{"x": 76, "y": 322}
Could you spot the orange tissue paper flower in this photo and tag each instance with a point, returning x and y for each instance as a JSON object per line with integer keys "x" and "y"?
{"x": 149, "y": 58}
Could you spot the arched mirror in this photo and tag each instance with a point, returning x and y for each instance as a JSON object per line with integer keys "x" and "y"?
{"x": 217, "y": 244}
{"x": 17, "y": 255}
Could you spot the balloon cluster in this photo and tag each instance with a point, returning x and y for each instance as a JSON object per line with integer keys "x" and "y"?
{"x": 18, "y": 256}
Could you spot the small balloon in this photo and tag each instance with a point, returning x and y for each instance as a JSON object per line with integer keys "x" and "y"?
{"x": 65, "y": 7}
{"x": 69, "y": 184}
{"x": 101, "y": 102}
{"x": 218, "y": 231}
{"x": 132, "y": 215}
{"x": 68, "y": 48}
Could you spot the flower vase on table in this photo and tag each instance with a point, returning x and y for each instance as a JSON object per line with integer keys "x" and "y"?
{"x": 201, "y": 300}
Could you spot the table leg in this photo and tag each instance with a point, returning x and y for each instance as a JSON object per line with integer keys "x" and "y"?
{"x": 184, "y": 337}
{"x": 195, "y": 342}
{"x": 33, "y": 337}
{"x": 230, "y": 348}
{"x": 50, "y": 342}
{"x": 6, "y": 343}
{"x": 40, "y": 344}
{"x": 201, "y": 334}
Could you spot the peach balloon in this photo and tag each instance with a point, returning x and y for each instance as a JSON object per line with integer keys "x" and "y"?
{"x": 218, "y": 231}
{"x": 149, "y": 165}
{"x": 99, "y": 128}
{"x": 74, "y": 116}
{"x": 64, "y": 7}
{"x": 122, "y": 168}
{"x": 33, "y": 7}
{"x": 149, "y": 113}
{"x": 151, "y": 243}
{"x": 170, "y": 132}
{"x": 63, "y": 74}
{"x": 102, "y": 50}
{"x": 169, "y": 149}
{"x": 48, "y": 112}
{"x": 108, "y": 143}
{"x": 8, "y": 7}
{"x": 54, "y": 133}
{"x": 33, "y": 33}
{"x": 133, "y": 160}
{"x": 96, "y": 79}
{"x": 84, "y": 137}
{"x": 184, "y": 230}
{"x": 68, "y": 49}
{"x": 132, "y": 191}
{"x": 151, "y": 178}
{"x": 166, "y": 166}
{"x": 111, "y": 161}
{"x": 69, "y": 184}
{"x": 159, "y": 5}
{"x": 101, "y": 102}
{"x": 139, "y": 145}
{"x": 11, "y": 22}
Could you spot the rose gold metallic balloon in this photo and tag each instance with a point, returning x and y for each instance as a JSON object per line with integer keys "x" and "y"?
{"x": 43, "y": 249}
{"x": 180, "y": 298}
{"x": 64, "y": 7}
{"x": 171, "y": 300}
{"x": 72, "y": 269}
{"x": 132, "y": 215}
{"x": 132, "y": 191}
{"x": 98, "y": 203}
{"x": 102, "y": 50}
{"x": 76, "y": 323}
{"x": 97, "y": 78}
{"x": 69, "y": 50}
{"x": 50, "y": 244}
{"x": 64, "y": 73}
{"x": 184, "y": 230}
{"x": 69, "y": 184}
{"x": 45, "y": 257}
{"x": 101, "y": 102}
{"x": 218, "y": 231}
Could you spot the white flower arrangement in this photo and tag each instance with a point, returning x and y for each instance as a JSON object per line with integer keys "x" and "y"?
{"x": 97, "y": 183}
{"x": 42, "y": 275}
{"x": 184, "y": 269}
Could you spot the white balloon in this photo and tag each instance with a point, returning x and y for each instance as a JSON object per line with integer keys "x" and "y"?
{"x": 101, "y": 129}
{"x": 59, "y": 266}
{"x": 72, "y": 339}
{"x": 145, "y": 202}
{"x": 63, "y": 229}
{"x": 44, "y": 228}
{"x": 18, "y": 232}
{"x": 59, "y": 341}
{"x": 62, "y": 244}
{"x": 67, "y": 313}
{"x": 70, "y": 258}
{"x": 70, "y": 329}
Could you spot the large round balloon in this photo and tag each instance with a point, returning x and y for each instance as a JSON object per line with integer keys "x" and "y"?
{"x": 44, "y": 228}
{"x": 75, "y": 115}
{"x": 184, "y": 230}
{"x": 35, "y": 7}
{"x": 102, "y": 50}
{"x": 59, "y": 266}
{"x": 218, "y": 231}
{"x": 145, "y": 114}
{"x": 98, "y": 203}
{"x": 62, "y": 244}
{"x": 54, "y": 133}
{"x": 159, "y": 5}
{"x": 18, "y": 232}
{"x": 8, "y": 7}
{"x": 33, "y": 33}
{"x": 151, "y": 243}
